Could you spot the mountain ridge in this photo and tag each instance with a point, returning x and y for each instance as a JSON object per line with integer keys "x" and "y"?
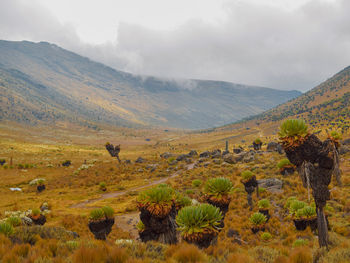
{"x": 96, "y": 93}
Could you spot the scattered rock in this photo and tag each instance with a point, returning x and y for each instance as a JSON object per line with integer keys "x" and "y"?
{"x": 225, "y": 152}
{"x": 201, "y": 160}
{"x": 167, "y": 155}
{"x": 127, "y": 161}
{"x": 272, "y": 185}
{"x": 237, "y": 150}
{"x": 174, "y": 162}
{"x": 274, "y": 147}
{"x": 249, "y": 157}
{"x": 217, "y": 161}
{"x": 44, "y": 206}
{"x": 204, "y": 154}
{"x": 231, "y": 233}
{"x": 216, "y": 153}
{"x": 27, "y": 221}
{"x": 192, "y": 153}
{"x": 140, "y": 160}
{"x": 16, "y": 189}
{"x": 181, "y": 157}
{"x": 345, "y": 142}
{"x": 230, "y": 158}
{"x": 344, "y": 149}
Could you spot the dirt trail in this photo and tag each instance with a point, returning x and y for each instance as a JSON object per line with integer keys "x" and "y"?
{"x": 120, "y": 193}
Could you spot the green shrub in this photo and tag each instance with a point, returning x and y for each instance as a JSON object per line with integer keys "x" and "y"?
{"x": 14, "y": 221}
{"x": 289, "y": 202}
{"x": 266, "y": 236}
{"x": 335, "y": 135}
{"x": 218, "y": 187}
{"x": 296, "y": 205}
{"x": 20, "y": 166}
{"x": 197, "y": 182}
{"x": 308, "y": 211}
{"x": 36, "y": 212}
{"x": 140, "y": 226}
{"x": 189, "y": 191}
{"x": 263, "y": 204}
{"x": 156, "y": 195}
{"x": 262, "y": 190}
{"x": 257, "y": 141}
{"x": 182, "y": 201}
{"x": 247, "y": 175}
{"x": 40, "y": 181}
{"x": 292, "y": 128}
{"x": 6, "y": 229}
{"x": 198, "y": 219}
{"x": 283, "y": 163}
{"x": 300, "y": 242}
{"x": 102, "y": 185}
{"x": 97, "y": 214}
{"x": 108, "y": 211}
{"x": 257, "y": 219}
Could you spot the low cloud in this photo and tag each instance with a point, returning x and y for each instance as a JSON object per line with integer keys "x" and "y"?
{"x": 254, "y": 44}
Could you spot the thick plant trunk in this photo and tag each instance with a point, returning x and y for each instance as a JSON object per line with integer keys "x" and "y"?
{"x": 250, "y": 201}
{"x": 322, "y": 228}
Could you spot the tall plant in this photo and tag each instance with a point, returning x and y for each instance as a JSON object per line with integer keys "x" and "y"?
{"x": 315, "y": 161}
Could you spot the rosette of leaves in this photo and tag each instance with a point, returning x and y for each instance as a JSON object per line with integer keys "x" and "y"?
{"x": 218, "y": 189}
{"x": 284, "y": 163}
{"x": 295, "y": 206}
{"x": 293, "y": 133}
{"x": 158, "y": 201}
{"x": 35, "y": 213}
{"x": 108, "y": 211}
{"x": 257, "y": 141}
{"x": 335, "y": 137}
{"x": 6, "y": 229}
{"x": 198, "y": 224}
{"x": 264, "y": 204}
{"x": 246, "y": 176}
{"x": 257, "y": 219}
{"x": 308, "y": 212}
{"x": 181, "y": 201}
{"x": 97, "y": 214}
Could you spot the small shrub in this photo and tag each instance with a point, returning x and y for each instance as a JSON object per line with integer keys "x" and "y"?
{"x": 284, "y": 163}
{"x": 300, "y": 242}
{"x": 186, "y": 253}
{"x": 264, "y": 204}
{"x": 257, "y": 141}
{"x": 6, "y": 229}
{"x": 266, "y": 236}
{"x": 295, "y": 206}
{"x": 257, "y": 219}
{"x": 182, "y": 201}
{"x": 197, "y": 183}
{"x": 14, "y": 221}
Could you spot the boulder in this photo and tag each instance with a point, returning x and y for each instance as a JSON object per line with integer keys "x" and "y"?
{"x": 216, "y": 154}
{"x": 225, "y": 152}
{"x": 192, "y": 153}
{"x": 237, "y": 150}
{"x": 181, "y": 157}
{"x": 140, "y": 160}
{"x": 345, "y": 142}
{"x": 272, "y": 185}
{"x": 205, "y": 154}
{"x": 344, "y": 149}
{"x": 230, "y": 158}
{"x": 274, "y": 147}
{"x": 167, "y": 155}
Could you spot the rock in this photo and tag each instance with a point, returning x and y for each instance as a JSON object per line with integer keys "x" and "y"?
{"x": 15, "y": 189}
{"x": 225, "y": 152}
{"x": 205, "y": 154}
{"x": 188, "y": 160}
{"x": 230, "y": 158}
{"x": 201, "y": 160}
{"x": 167, "y": 155}
{"x": 140, "y": 160}
{"x": 140, "y": 170}
{"x": 272, "y": 185}
{"x": 181, "y": 157}
{"x": 216, "y": 155}
{"x": 27, "y": 221}
{"x": 44, "y": 206}
{"x": 206, "y": 164}
{"x": 237, "y": 150}
{"x": 192, "y": 153}
{"x": 345, "y": 142}
{"x": 274, "y": 147}
{"x": 127, "y": 161}
{"x": 231, "y": 233}
{"x": 344, "y": 149}
{"x": 217, "y": 161}
{"x": 249, "y": 157}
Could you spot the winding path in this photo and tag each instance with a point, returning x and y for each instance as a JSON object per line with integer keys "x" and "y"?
{"x": 120, "y": 193}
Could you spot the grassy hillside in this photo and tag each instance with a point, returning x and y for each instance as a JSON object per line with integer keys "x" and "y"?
{"x": 325, "y": 106}
{"x": 53, "y": 84}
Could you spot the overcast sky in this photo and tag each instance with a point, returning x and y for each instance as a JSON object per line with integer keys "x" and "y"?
{"x": 284, "y": 44}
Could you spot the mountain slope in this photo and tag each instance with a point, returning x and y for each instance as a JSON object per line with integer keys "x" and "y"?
{"x": 325, "y": 105}
{"x": 41, "y": 82}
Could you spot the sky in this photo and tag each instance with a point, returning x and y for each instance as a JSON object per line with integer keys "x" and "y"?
{"x": 282, "y": 44}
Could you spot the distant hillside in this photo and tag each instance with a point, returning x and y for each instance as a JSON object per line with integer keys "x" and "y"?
{"x": 325, "y": 105}
{"x": 43, "y": 83}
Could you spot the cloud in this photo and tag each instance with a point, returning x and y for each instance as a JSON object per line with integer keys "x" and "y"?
{"x": 254, "y": 44}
